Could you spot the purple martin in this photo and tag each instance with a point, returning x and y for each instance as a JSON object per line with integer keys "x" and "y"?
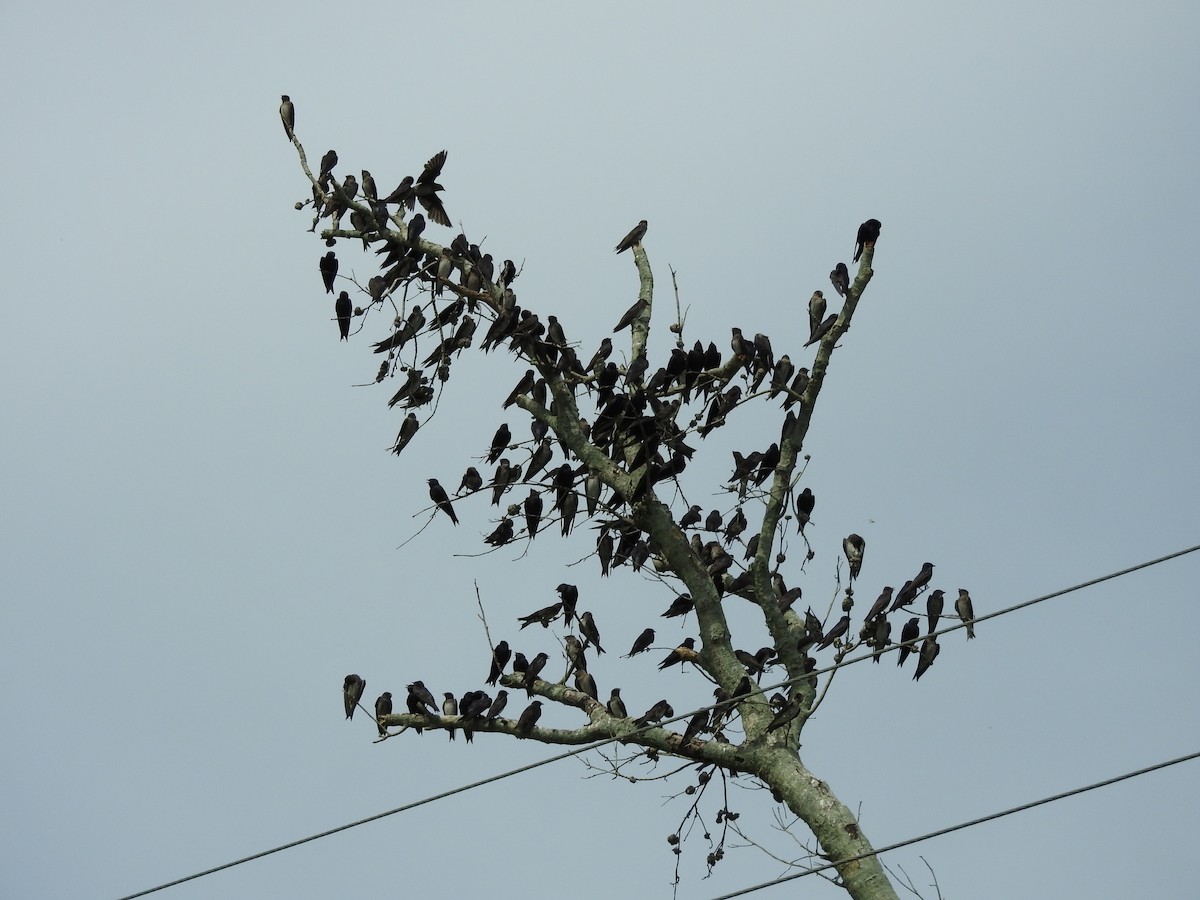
{"x": 535, "y": 667}
{"x": 508, "y": 272}
{"x": 854, "y": 546}
{"x": 643, "y": 642}
{"x": 691, "y": 517}
{"x": 329, "y": 267}
{"x": 634, "y": 237}
{"x": 591, "y": 490}
{"x": 933, "y": 606}
{"x": 695, "y": 725}
{"x": 923, "y": 577}
{"x": 816, "y": 312}
{"x": 472, "y": 707}
{"x": 328, "y": 161}
{"x": 908, "y": 634}
{"x": 540, "y": 458}
{"x": 520, "y": 664}
{"x": 904, "y": 596}
{"x": 415, "y": 377}
{"x": 680, "y": 606}
{"x": 408, "y": 429}
{"x": 471, "y": 480}
{"x": 416, "y": 225}
{"x": 501, "y": 480}
{"x": 420, "y": 701}
{"x": 287, "y": 112}
{"x": 616, "y": 706}
{"x": 840, "y": 276}
{"x": 576, "y": 655}
{"x": 350, "y": 187}
{"x": 383, "y": 707}
{"x": 712, "y": 521}
{"x": 741, "y": 349}
{"x": 500, "y": 657}
{"x": 533, "y": 512}
{"x": 570, "y": 506}
{"x": 569, "y": 594}
{"x": 352, "y": 691}
{"x": 529, "y": 718}
{"x": 685, "y": 652}
{"x": 437, "y": 494}
{"x": 343, "y": 309}
{"x": 497, "y": 706}
{"x": 736, "y": 525}
{"x": 449, "y": 708}
{"x": 842, "y": 626}
{"x": 426, "y": 189}
{"x": 499, "y": 443}
{"x": 403, "y": 193}
{"x": 784, "y": 370}
{"x": 524, "y": 386}
{"x": 880, "y": 636}
{"x": 412, "y": 325}
{"x": 600, "y": 357}
{"x": 368, "y": 187}
{"x": 822, "y": 330}
{"x": 929, "y": 652}
{"x": 880, "y": 606}
{"x": 604, "y": 551}
{"x": 502, "y": 534}
{"x": 868, "y": 234}
{"x": 445, "y": 268}
{"x": 789, "y": 711}
{"x": 966, "y": 611}
{"x": 587, "y": 627}
{"x": 805, "y": 501}
{"x": 796, "y": 388}
{"x": 659, "y": 711}
{"x": 586, "y": 684}
{"x": 630, "y": 314}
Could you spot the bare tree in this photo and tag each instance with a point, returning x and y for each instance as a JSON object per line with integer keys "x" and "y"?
{"x": 623, "y": 434}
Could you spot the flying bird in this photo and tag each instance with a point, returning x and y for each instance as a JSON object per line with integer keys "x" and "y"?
{"x": 352, "y": 691}
{"x": 427, "y": 188}
{"x": 343, "y": 309}
{"x": 383, "y": 707}
{"x": 868, "y": 234}
{"x": 634, "y": 237}
{"x": 437, "y": 494}
{"x": 287, "y": 112}
{"x": 966, "y": 611}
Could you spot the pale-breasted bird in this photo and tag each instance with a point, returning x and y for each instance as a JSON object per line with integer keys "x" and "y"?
{"x": 966, "y": 611}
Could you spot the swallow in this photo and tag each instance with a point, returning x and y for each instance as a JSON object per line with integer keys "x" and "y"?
{"x": 600, "y": 357}
{"x": 368, "y": 187}
{"x": 419, "y": 697}
{"x": 501, "y": 654}
{"x": 685, "y": 652}
{"x": 822, "y": 330}
{"x": 712, "y": 521}
{"x": 854, "y": 546}
{"x": 427, "y": 188}
{"x": 966, "y": 611}
{"x": 585, "y": 683}
{"x": 472, "y": 707}
{"x": 524, "y": 386}
{"x": 408, "y": 430}
{"x": 630, "y": 314}
{"x": 499, "y": 443}
{"x": 587, "y": 627}
{"x": 659, "y": 711}
{"x": 933, "y": 607}
{"x": 695, "y": 725}
{"x": 437, "y": 494}
{"x": 840, "y": 277}
{"x": 416, "y": 225}
{"x": 634, "y": 237}
{"x": 352, "y": 691}
{"x": 929, "y": 652}
{"x": 328, "y": 265}
{"x": 540, "y": 458}
{"x": 789, "y": 711}
{"x": 568, "y": 510}
{"x": 805, "y": 501}
{"x": 616, "y": 706}
{"x": 531, "y": 673}
{"x": 680, "y": 606}
{"x": 591, "y": 491}
{"x": 569, "y": 595}
{"x": 502, "y": 534}
{"x": 642, "y": 643}
{"x": 879, "y": 607}
{"x": 575, "y": 652}
{"x": 533, "y": 512}
{"x": 868, "y": 234}
{"x": 403, "y": 194}
{"x": 842, "y": 626}
{"x": 328, "y": 161}
{"x": 508, "y": 273}
{"x": 797, "y": 387}
{"x": 816, "y": 312}
{"x": 529, "y": 718}
{"x": 691, "y": 517}
{"x": 880, "y": 636}
{"x": 383, "y": 707}
{"x": 287, "y": 112}
{"x": 908, "y": 635}
{"x": 343, "y": 309}
{"x": 471, "y": 480}
{"x": 784, "y": 370}
{"x": 904, "y": 596}
{"x": 497, "y": 706}
{"x": 449, "y": 708}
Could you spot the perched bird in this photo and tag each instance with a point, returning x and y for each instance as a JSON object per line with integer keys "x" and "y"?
{"x": 535, "y": 666}
{"x": 497, "y": 706}
{"x": 520, "y": 664}
{"x": 789, "y": 711}
{"x": 680, "y": 606}
{"x": 685, "y": 652}
{"x": 343, "y": 309}
{"x": 933, "y": 607}
{"x": 576, "y": 654}
{"x": 471, "y": 480}
{"x": 616, "y": 706}
{"x": 408, "y": 430}
{"x": 822, "y": 330}
{"x": 533, "y": 512}
{"x": 868, "y": 234}
{"x": 449, "y": 708}
{"x": 524, "y": 386}
{"x": 695, "y": 725}
{"x": 368, "y": 187}
{"x": 500, "y": 657}
{"x": 287, "y": 112}
{"x": 904, "y": 596}
{"x": 502, "y": 534}
{"x": 842, "y": 626}
{"x": 585, "y": 683}
{"x": 805, "y": 501}
{"x": 630, "y": 314}
{"x": 923, "y": 577}
{"x": 691, "y": 517}
{"x": 569, "y": 594}
{"x": 929, "y": 652}
{"x": 437, "y": 494}
{"x": 352, "y": 691}
{"x": 908, "y": 634}
{"x": 880, "y": 606}
{"x": 383, "y": 707}
{"x": 966, "y": 611}
{"x": 816, "y": 312}
{"x": 713, "y": 520}
{"x": 643, "y": 642}
{"x": 328, "y": 161}
{"x": 854, "y": 546}
{"x": 587, "y": 627}
{"x": 529, "y": 718}
{"x": 840, "y": 276}
{"x": 328, "y": 265}
{"x": 499, "y": 443}
{"x": 634, "y": 237}
{"x": 420, "y": 701}
{"x": 659, "y": 711}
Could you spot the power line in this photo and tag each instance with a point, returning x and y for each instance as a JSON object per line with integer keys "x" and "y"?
{"x": 961, "y": 825}
{"x": 605, "y": 741}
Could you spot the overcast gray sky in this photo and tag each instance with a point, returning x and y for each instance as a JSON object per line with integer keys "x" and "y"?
{"x": 201, "y": 518}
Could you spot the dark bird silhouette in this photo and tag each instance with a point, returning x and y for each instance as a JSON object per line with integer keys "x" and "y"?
{"x": 575, "y": 652}
{"x": 420, "y": 701}
{"x": 659, "y": 711}
{"x": 343, "y": 309}
{"x": 904, "y": 596}
{"x": 383, "y": 707}
{"x": 328, "y": 265}
{"x": 408, "y": 430}
{"x": 966, "y": 611}
{"x": 784, "y": 370}
{"x": 524, "y": 386}
{"x": 816, "y": 312}
{"x": 370, "y": 191}
{"x": 499, "y": 443}
{"x": 437, "y": 494}
{"x": 352, "y": 691}
{"x": 691, "y": 517}
{"x": 587, "y": 627}
{"x": 449, "y": 708}
{"x": 569, "y": 594}
{"x": 634, "y": 237}
{"x": 471, "y": 480}
{"x": 685, "y": 652}
{"x": 497, "y": 706}
{"x": 695, "y": 725}
{"x": 840, "y": 276}
{"x": 842, "y": 626}
{"x": 854, "y": 546}
{"x": 529, "y": 718}
{"x": 929, "y": 652}
{"x": 909, "y": 633}
{"x": 642, "y": 643}
{"x": 868, "y": 234}
{"x": 933, "y": 607}
{"x": 630, "y": 314}
{"x": 712, "y": 521}
{"x": 680, "y": 606}
{"x": 585, "y": 683}
{"x": 879, "y": 607}
{"x": 535, "y": 667}
{"x": 789, "y": 711}
{"x": 500, "y": 657}
{"x": 805, "y": 501}
{"x": 520, "y": 664}
{"x": 533, "y": 512}
{"x": 822, "y": 330}
{"x": 328, "y": 161}
{"x": 616, "y": 706}
{"x": 923, "y": 577}
{"x": 287, "y": 112}
{"x": 600, "y": 357}
{"x": 502, "y": 534}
